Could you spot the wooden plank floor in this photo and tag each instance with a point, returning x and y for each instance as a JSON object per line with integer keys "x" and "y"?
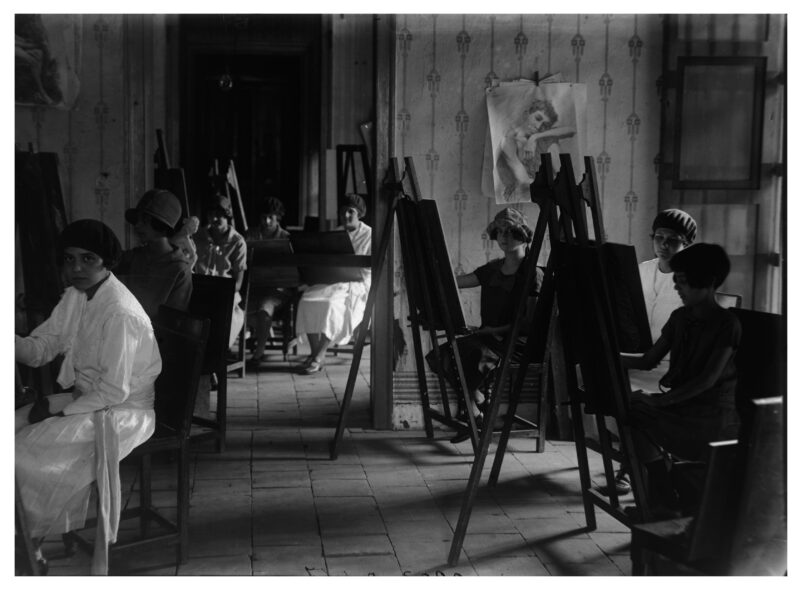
{"x": 274, "y": 504}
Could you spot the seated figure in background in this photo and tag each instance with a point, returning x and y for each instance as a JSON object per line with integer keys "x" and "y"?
{"x": 329, "y": 313}
{"x": 673, "y": 230}
{"x": 111, "y": 361}
{"x": 222, "y": 251}
{"x": 271, "y": 300}
{"x": 156, "y": 272}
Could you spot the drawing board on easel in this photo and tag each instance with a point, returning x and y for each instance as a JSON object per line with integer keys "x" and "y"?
{"x": 437, "y": 269}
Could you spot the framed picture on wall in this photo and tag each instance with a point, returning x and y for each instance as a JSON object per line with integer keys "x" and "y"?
{"x": 719, "y": 122}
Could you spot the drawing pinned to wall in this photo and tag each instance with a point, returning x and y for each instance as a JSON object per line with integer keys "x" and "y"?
{"x": 526, "y": 120}
{"x": 46, "y": 59}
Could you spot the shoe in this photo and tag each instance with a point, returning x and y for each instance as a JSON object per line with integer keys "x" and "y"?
{"x": 313, "y": 367}
{"x": 461, "y": 436}
{"x": 254, "y": 363}
{"x": 622, "y": 484}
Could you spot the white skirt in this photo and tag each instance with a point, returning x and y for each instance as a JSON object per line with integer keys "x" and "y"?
{"x": 55, "y": 462}
{"x": 334, "y": 310}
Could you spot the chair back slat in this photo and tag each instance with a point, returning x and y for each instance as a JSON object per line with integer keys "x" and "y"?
{"x": 761, "y": 358}
{"x": 181, "y": 341}
{"x": 212, "y": 298}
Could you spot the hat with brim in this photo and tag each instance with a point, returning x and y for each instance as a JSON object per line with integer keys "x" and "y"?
{"x": 162, "y": 205}
{"x": 510, "y": 218}
{"x": 219, "y": 202}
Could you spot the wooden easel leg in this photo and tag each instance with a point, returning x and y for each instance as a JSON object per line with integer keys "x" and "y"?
{"x": 608, "y": 465}
{"x": 421, "y": 378}
{"x": 222, "y": 407}
{"x": 348, "y": 392}
{"x": 471, "y": 492}
{"x": 564, "y": 374}
{"x": 437, "y": 353}
{"x": 543, "y": 408}
{"x": 468, "y": 402}
{"x": 636, "y": 472}
{"x": 513, "y": 404}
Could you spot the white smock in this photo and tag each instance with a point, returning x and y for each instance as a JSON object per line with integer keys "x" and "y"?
{"x": 111, "y": 358}
{"x": 335, "y": 310}
{"x": 660, "y": 296}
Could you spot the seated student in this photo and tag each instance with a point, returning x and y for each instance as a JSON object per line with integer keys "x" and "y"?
{"x": 222, "y": 251}
{"x": 329, "y": 313}
{"x": 273, "y": 299}
{"x": 498, "y": 279}
{"x": 697, "y": 403}
{"x": 111, "y": 361}
{"x": 156, "y": 272}
{"x": 269, "y": 227}
{"x": 673, "y": 230}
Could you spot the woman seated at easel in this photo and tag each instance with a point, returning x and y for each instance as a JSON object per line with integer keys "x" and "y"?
{"x": 329, "y": 313}
{"x": 272, "y": 300}
{"x": 222, "y": 251}
{"x": 697, "y": 402}
{"x": 111, "y": 361}
{"x": 499, "y": 279}
{"x": 157, "y": 272}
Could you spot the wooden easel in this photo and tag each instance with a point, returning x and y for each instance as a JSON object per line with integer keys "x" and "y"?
{"x": 428, "y": 309}
{"x": 562, "y": 205}
{"x": 431, "y": 309}
{"x": 394, "y": 188}
{"x": 592, "y": 331}
{"x": 347, "y": 180}
{"x": 167, "y": 177}
{"x": 40, "y": 218}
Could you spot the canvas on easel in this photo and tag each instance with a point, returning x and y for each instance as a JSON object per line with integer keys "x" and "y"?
{"x": 324, "y": 242}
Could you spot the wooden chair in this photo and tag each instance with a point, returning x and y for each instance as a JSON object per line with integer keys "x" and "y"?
{"x": 238, "y": 364}
{"x": 740, "y": 527}
{"x": 181, "y": 340}
{"x": 267, "y": 276}
{"x": 761, "y": 361}
{"x": 282, "y": 331}
{"x": 728, "y": 300}
{"x": 212, "y": 298}
{"x": 25, "y": 562}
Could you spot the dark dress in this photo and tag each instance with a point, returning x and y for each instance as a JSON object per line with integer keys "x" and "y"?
{"x": 480, "y": 352}
{"x": 685, "y": 429}
{"x": 164, "y": 279}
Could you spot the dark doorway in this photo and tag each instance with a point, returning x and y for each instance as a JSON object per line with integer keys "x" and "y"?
{"x": 249, "y": 109}
{"x": 251, "y": 92}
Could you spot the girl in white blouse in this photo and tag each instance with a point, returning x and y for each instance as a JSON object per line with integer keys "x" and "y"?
{"x": 111, "y": 361}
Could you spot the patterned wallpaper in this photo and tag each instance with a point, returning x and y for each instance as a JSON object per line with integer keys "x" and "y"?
{"x": 99, "y": 141}
{"x": 444, "y": 64}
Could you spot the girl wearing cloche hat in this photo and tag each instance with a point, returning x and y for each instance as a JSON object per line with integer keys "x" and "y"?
{"x": 156, "y": 272}
{"x": 497, "y": 280}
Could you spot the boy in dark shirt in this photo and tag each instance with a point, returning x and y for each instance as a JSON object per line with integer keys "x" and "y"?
{"x": 697, "y": 401}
